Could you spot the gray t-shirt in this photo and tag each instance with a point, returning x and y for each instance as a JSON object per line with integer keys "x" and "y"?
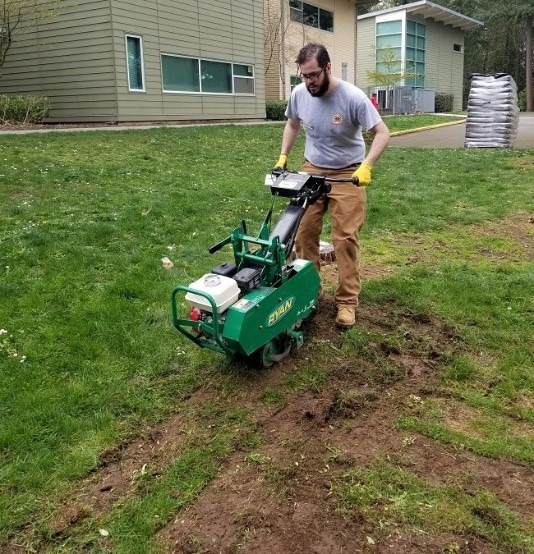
{"x": 333, "y": 124}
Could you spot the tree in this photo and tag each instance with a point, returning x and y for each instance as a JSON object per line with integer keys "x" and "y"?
{"x": 277, "y": 52}
{"x": 385, "y": 4}
{"x": 390, "y": 73}
{"x": 19, "y": 15}
{"x": 274, "y": 33}
{"x": 504, "y": 45}
{"x": 518, "y": 15}
{"x": 529, "y": 23}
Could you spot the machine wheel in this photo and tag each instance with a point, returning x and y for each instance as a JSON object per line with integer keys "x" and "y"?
{"x": 273, "y": 351}
{"x": 266, "y": 353}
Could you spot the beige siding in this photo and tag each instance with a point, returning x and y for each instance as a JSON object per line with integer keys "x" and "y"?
{"x": 70, "y": 60}
{"x": 344, "y": 44}
{"x": 78, "y": 59}
{"x": 340, "y": 43}
{"x": 365, "y": 52}
{"x": 222, "y": 31}
{"x": 138, "y": 18}
{"x": 276, "y": 23}
{"x": 445, "y": 67}
{"x": 293, "y": 36}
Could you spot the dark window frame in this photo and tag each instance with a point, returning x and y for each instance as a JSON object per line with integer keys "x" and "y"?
{"x": 311, "y": 15}
{"x": 141, "y": 63}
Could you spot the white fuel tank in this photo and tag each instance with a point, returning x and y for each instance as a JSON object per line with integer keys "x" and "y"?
{"x": 224, "y": 291}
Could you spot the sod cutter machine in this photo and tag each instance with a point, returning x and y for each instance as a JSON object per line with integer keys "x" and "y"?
{"x": 256, "y": 305}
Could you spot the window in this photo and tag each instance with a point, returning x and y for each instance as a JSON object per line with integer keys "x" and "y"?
{"x": 294, "y": 81}
{"x": 295, "y": 10}
{"x": 243, "y": 79}
{"x": 389, "y": 49}
{"x": 134, "y": 62}
{"x": 216, "y": 77}
{"x": 326, "y": 20}
{"x": 457, "y": 47}
{"x": 389, "y": 28}
{"x": 392, "y": 50}
{"x": 311, "y": 15}
{"x": 415, "y": 54}
{"x": 180, "y": 74}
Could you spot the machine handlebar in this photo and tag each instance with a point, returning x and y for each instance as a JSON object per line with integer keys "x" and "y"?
{"x": 354, "y": 180}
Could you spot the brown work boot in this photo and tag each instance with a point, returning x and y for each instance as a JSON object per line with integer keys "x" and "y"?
{"x": 346, "y": 316}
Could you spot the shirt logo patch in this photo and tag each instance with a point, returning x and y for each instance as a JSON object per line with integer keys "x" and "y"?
{"x": 337, "y": 119}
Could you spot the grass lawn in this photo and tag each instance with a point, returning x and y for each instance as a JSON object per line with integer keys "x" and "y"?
{"x": 89, "y": 359}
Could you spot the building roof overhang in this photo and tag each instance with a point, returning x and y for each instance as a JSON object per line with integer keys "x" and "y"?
{"x": 438, "y": 13}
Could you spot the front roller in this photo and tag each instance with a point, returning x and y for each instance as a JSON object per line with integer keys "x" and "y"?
{"x": 274, "y": 351}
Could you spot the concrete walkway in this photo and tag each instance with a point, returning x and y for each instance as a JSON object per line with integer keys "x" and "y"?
{"x": 452, "y": 136}
{"x": 447, "y": 135}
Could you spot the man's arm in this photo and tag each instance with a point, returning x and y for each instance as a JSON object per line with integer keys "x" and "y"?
{"x": 380, "y": 134}
{"x": 291, "y": 131}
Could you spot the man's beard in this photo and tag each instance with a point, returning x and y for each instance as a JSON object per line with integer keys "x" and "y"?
{"x": 321, "y": 91}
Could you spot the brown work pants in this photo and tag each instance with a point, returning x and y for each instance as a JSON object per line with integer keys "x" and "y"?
{"x": 347, "y": 205}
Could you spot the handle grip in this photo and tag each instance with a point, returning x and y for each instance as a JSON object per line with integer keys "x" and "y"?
{"x": 354, "y": 180}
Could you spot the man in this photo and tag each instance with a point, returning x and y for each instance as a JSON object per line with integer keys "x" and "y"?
{"x": 374, "y": 101}
{"x": 333, "y": 114}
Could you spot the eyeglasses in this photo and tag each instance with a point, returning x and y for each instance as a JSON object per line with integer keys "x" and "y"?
{"x": 311, "y": 76}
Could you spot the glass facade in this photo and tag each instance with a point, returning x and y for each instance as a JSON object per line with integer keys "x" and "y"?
{"x": 415, "y": 54}
{"x": 389, "y": 47}
{"x": 393, "y": 49}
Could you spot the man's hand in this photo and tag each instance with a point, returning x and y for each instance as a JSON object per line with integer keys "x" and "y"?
{"x": 281, "y": 164}
{"x": 363, "y": 174}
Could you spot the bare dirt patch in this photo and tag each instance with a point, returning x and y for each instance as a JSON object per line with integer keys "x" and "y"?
{"x": 519, "y": 228}
{"x": 282, "y": 501}
{"x": 279, "y": 497}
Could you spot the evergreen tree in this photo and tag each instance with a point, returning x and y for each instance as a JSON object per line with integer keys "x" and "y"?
{"x": 518, "y": 17}
{"x": 504, "y": 45}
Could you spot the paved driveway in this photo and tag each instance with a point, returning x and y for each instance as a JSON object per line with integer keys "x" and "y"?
{"x": 453, "y": 136}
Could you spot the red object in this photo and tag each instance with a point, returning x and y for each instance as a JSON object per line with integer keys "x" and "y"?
{"x": 194, "y": 314}
{"x": 374, "y": 102}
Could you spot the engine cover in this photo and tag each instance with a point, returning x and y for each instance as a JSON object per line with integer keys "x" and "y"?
{"x": 223, "y": 290}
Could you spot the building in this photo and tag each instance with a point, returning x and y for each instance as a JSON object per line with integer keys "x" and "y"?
{"x": 420, "y": 45}
{"x": 127, "y": 61}
{"x": 289, "y": 24}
